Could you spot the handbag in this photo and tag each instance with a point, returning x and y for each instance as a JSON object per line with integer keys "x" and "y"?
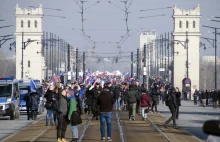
{"x": 76, "y": 118}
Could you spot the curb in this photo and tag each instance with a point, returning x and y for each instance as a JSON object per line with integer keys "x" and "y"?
{"x": 16, "y": 132}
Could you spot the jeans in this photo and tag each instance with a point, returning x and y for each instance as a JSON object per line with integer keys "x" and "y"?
{"x": 123, "y": 104}
{"x": 49, "y": 116}
{"x": 173, "y": 117}
{"x": 144, "y": 115}
{"x": 75, "y": 132}
{"x": 132, "y": 109}
{"x": 117, "y": 103}
{"x": 106, "y": 118}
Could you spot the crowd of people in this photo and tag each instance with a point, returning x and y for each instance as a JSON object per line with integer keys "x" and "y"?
{"x": 66, "y": 104}
{"x": 207, "y": 97}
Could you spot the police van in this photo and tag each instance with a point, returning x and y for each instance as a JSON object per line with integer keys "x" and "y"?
{"x": 9, "y": 98}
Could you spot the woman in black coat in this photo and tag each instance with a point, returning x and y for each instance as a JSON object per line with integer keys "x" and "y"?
{"x": 89, "y": 95}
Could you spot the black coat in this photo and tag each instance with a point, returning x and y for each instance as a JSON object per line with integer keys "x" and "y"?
{"x": 62, "y": 105}
{"x": 89, "y": 95}
{"x": 116, "y": 92}
{"x": 171, "y": 98}
{"x": 178, "y": 98}
{"x": 34, "y": 99}
{"x": 214, "y": 96}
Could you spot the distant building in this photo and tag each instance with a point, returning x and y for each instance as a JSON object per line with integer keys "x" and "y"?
{"x": 187, "y": 21}
{"x": 148, "y": 38}
{"x": 210, "y": 59}
{"x": 29, "y": 24}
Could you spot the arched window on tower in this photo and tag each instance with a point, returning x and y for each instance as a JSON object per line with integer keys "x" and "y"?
{"x": 29, "y": 24}
{"x": 35, "y": 24}
{"x": 187, "y": 24}
{"x": 194, "y": 24}
{"x": 180, "y": 24}
{"x": 22, "y": 23}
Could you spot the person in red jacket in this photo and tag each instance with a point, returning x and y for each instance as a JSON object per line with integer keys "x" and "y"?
{"x": 144, "y": 103}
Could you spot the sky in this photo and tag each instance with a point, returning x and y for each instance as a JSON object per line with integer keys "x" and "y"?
{"x": 104, "y": 22}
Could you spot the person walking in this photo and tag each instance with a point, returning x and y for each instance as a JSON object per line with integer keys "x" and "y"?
{"x": 131, "y": 99}
{"x": 95, "y": 108}
{"x": 218, "y": 96}
{"x": 116, "y": 93}
{"x": 89, "y": 95}
{"x": 195, "y": 96}
{"x": 62, "y": 117}
{"x": 106, "y": 101}
{"x": 170, "y": 101}
{"x": 154, "y": 98}
{"x": 35, "y": 100}
{"x": 214, "y": 98}
{"x": 203, "y": 98}
{"x": 144, "y": 103}
{"x": 28, "y": 103}
{"x": 178, "y": 102}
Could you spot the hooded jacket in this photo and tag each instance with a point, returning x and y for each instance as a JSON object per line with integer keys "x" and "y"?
{"x": 130, "y": 96}
{"x": 145, "y": 100}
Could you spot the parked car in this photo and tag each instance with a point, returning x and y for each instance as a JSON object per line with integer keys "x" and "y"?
{"x": 212, "y": 128}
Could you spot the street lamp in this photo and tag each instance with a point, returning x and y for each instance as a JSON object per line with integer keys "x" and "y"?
{"x": 214, "y": 43}
{"x": 24, "y": 45}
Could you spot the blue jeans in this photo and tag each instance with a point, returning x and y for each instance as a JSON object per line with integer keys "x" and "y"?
{"x": 106, "y": 118}
{"x": 74, "y": 131}
{"x": 49, "y": 116}
{"x": 117, "y": 103}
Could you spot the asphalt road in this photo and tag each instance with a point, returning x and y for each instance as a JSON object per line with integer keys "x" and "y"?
{"x": 8, "y": 127}
{"x": 192, "y": 117}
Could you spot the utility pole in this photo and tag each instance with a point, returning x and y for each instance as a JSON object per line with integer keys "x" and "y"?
{"x": 162, "y": 59}
{"x": 58, "y": 55}
{"x": 84, "y": 67}
{"x": 76, "y": 64}
{"x": 172, "y": 46}
{"x": 145, "y": 68}
{"x": 22, "y": 56}
{"x": 215, "y": 58}
{"x": 157, "y": 68}
{"x": 68, "y": 57}
{"x": 168, "y": 49}
{"x": 132, "y": 65}
{"x": 47, "y": 55}
{"x": 137, "y": 65}
{"x": 160, "y": 55}
{"x": 148, "y": 64}
{"x": 51, "y": 52}
{"x": 187, "y": 58}
{"x": 165, "y": 49}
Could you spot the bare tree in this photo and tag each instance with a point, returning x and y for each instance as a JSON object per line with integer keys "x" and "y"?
{"x": 7, "y": 66}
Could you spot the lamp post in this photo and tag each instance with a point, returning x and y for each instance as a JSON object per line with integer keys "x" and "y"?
{"x": 24, "y": 45}
{"x": 214, "y": 45}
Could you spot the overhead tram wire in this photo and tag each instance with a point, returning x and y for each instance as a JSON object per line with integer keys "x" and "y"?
{"x": 169, "y": 7}
{"x": 46, "y": 8}
{"x": 152, "y": 16}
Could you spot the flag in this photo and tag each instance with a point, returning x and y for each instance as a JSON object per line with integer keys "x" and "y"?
{"x": 32, "y": 85}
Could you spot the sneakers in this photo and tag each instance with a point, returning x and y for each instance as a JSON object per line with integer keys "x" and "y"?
{"x": 59, "y": 140}
{"x": 64, "y": 140}
{"x": 109, "y": 139}
{"x": 133, "y": 118}
{"x": 103, "y": 139}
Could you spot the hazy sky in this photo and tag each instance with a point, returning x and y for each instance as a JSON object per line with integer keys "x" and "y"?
{"x": 104, "y": 22}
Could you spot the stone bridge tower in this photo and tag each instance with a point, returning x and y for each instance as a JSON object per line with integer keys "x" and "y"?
{"x": 186, "y": 21}
{"x": 29, "y": 24}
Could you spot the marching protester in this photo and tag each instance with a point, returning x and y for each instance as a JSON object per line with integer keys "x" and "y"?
{"x": 203, "y": 98}
{"x": 35, "y": 100}
{"x": 214, "y": 98}
{"x": 195, "y": 96}
{"x": 170, "y": 101}
{"x": 28, "y": 104}
{"x": 116, "y": 93}
{"x": 95, "y": 108}
{"x": 105, "y": 101}
{"x": 130, "y": 100}
{"x": 62, "y": 117}
{"x": 155, "y": 94}
{"x": 89, "y": 95}
{"x": 144, "y": 103}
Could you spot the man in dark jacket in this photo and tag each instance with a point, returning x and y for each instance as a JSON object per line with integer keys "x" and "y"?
{"x": 214, "y": 98}
{"x": 155, "y": 94}
{"x": 89, "y": 95}
{"x": 131, "y": 99}
{"x": 95, "y": 108}
{"x": 116, "y": 93}
{"x": 105, "y": 101}
{"x": 62, "y": 117}
{"x": 34, "y": 99}
{"x": 171, "y": 102}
